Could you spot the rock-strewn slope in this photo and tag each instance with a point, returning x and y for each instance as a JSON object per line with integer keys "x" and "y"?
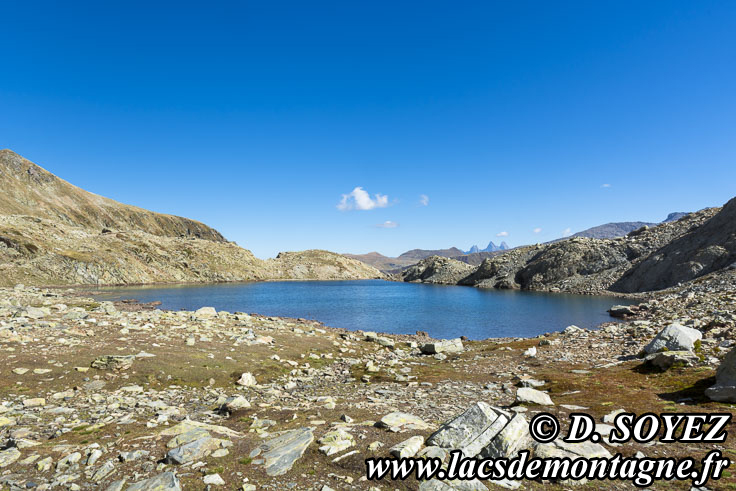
{"x": 42, "y": 252}
{"x": 53, "y": 233}
{"x": 95, "y": 395}
{"x": 591, "y": 265}
{"x": 700, "y": 251}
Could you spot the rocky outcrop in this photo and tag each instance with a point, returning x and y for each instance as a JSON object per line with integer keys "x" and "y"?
{"x": 703, "y": 249}
{"x": 436, "y": 269}
{"x": 41, "y": 252}
{"x": 319, "y": 265}
{"x": 589, "y": 265}
{"x": 409, "y": 258}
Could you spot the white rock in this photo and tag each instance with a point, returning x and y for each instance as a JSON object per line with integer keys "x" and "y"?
{"x": 408, "y": 448}
{"x": 531, "y": 352}
{"x": 674, "y": 337}
{"x": 205, "y": 313}
{"x": 533, "y": 396}
{"x": 447, "y": 346}
{"x": 247, "y": 380}
{"x": 214, "y": 479}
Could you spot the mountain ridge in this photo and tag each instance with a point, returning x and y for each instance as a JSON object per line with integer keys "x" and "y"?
{"x": 491, "y": 247}
{"x": 28, "y": 189}
{"x": 646, "y": 259}
{"x": 53, "y": 233}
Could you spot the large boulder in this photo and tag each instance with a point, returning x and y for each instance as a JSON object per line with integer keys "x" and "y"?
{"x": 513, "y": 438}
{"x": 623, "y": 311}
{"x": 483, "y": 430}
{"x": 472, "y": 430}
{"x": 674, "y": 337}
{"x": 665, "y": 360}
{"x": 446, "y": 346}
{"x": 205, "y": 313}
{"x": 724, "y": 389}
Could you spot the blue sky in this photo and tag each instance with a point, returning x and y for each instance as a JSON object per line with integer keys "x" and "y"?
{"x": 257, "y": 117}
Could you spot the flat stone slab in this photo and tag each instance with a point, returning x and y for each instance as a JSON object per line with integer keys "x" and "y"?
{"x": 113, "y": 362}
{"x": 188, "y": 436}
{"x": 194, "y": 450}
{"x": 280, "y": 453}
{"x": 527, "y": 395}
{"x": 458, "y": 485}
{"x": 188, "y": 424}
{"x": 399, "y": 421}
{"x": 559, "y": 448}
{"x": 9, "y": 456}
{"x": 407, "y": 448}
{"x": 163, "y": 482}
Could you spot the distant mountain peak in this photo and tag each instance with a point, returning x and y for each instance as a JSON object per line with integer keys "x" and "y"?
{"x": 493, "y": 247}
{"x": 490, "y": 248}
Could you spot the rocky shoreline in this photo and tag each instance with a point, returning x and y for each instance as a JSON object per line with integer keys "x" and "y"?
{"x": 648, "y": 259}
{"x": 99, "y": 396}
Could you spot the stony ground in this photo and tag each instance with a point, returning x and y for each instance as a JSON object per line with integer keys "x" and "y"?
{"x": 102, "y": 396}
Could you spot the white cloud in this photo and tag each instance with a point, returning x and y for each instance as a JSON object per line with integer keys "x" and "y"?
{"x": 387, "y": 224}
{"x": 566, "y": 232}
{"x": 359, "y": 199}
{"x": 502, "y": 234}
{"x": 423, "y": 199}
{"x": 537, "y": 230}
{"x": 605, "y": 185}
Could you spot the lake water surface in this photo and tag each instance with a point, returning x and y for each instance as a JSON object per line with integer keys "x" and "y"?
{"x": 384, "y": 306}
